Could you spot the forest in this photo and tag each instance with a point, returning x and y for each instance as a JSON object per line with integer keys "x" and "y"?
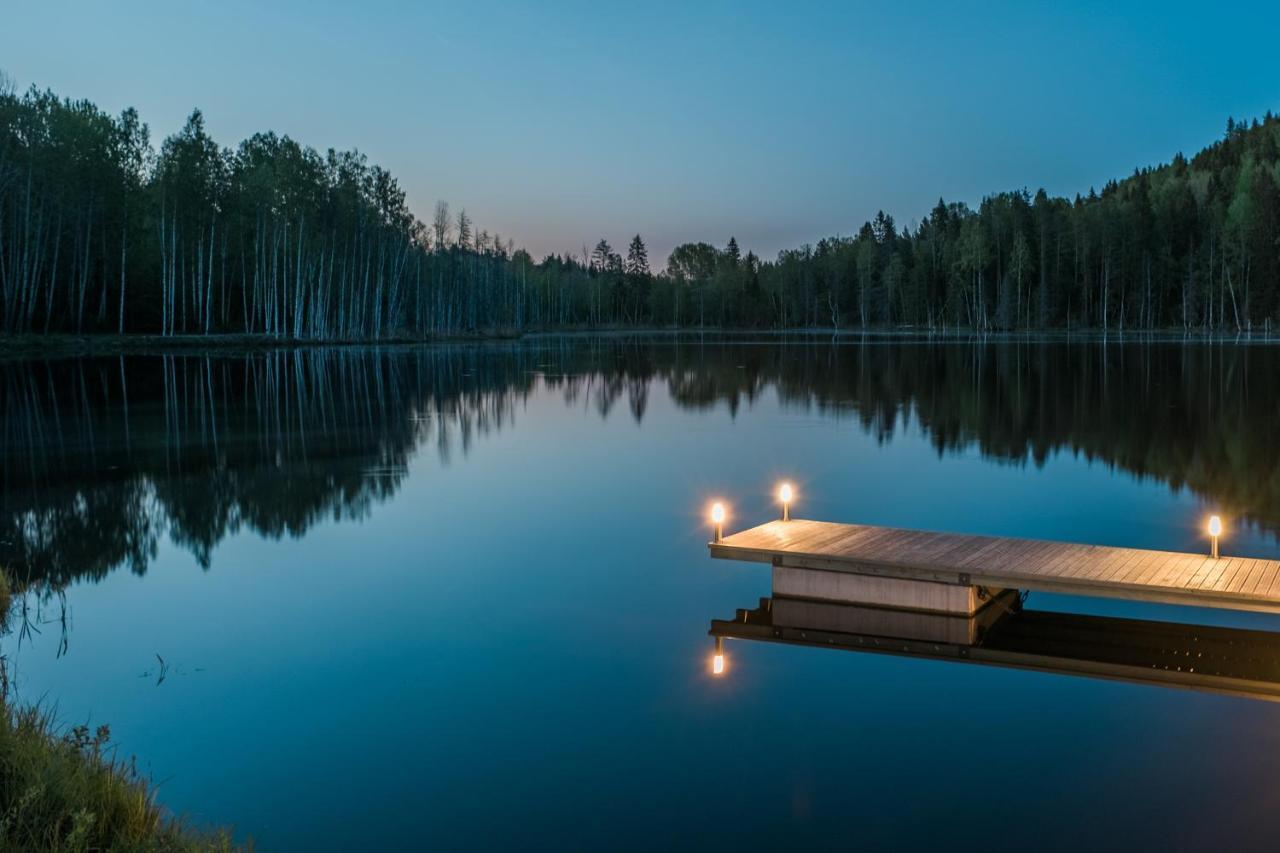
{"x": 102, "y": 232}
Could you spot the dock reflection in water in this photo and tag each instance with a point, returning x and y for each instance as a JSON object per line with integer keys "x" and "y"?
{"x": 1230, "y": 661}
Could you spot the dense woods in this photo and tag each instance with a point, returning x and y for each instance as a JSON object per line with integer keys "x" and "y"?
{"x": 101, "y": 231}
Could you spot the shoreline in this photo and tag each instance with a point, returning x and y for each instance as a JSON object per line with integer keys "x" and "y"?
{"x": 91, "y": 345}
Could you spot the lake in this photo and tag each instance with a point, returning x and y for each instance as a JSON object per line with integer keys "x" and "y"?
{"x": 458, "y": 596}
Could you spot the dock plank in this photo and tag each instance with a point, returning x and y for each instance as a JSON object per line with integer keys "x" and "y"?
{"x": 1106, "y": 563}
{"x": 1210, "y": 582}
{"x": 1201, "y": 572}
{"x": 1144, "y": 571}
{"x": 1172, "y": 567}
{"x": 1068, "y": 559}
{"x": 1097, "y": 563}
{"x": 1030, "y": 564}
{"x": 1122, "y": 562}
{"x": 1228, "y": 575}
{"x": 1245, "y": 581}
{"x": 1263, "y": 582}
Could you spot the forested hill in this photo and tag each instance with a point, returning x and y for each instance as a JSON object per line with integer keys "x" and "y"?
{"x": 100, "y": 231}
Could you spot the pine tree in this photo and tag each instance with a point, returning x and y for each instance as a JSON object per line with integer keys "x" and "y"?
{"x": 732, "y": 254}
{"x": 637, "y": 257}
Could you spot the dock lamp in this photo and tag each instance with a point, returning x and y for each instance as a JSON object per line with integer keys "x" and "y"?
{"x": 717, "y": 660}
{"x": 1215, "y": 530}
{"x": 785, "y": 494}
{"x": 717, "y": 520}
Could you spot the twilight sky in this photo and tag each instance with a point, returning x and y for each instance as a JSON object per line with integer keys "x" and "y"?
{"x": 557, "y": 123}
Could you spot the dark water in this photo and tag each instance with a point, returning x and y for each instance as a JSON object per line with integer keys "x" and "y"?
{"x": 459, "y": 597}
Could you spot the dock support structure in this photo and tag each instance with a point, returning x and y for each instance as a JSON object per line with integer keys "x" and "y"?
{"x": 953, "y": 596}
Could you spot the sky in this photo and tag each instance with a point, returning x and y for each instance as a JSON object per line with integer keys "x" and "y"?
{"x": 558, "y": 123}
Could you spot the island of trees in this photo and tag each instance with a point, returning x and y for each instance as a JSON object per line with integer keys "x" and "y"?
{"x": 101, "y": 232}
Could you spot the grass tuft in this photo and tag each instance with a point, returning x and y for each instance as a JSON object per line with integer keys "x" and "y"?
{"x": 64, "y": 790}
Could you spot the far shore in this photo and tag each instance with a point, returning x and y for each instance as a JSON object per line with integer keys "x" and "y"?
{"x": 72, "y": 345}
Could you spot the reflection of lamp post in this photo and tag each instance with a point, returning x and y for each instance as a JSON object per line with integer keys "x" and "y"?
{"x": 1215, "y": 530}
{"x": 717, "y": 660}
{"x": 717, "y": 520}
{"x": 785, "y": 494}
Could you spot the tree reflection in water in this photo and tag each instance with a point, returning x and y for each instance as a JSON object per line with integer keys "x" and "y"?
{"x": 102, "y": 457}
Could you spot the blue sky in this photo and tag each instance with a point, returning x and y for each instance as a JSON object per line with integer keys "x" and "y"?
{"x": 557, "y": 123}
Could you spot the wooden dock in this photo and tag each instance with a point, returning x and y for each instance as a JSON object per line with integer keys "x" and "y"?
{"x": 995, "y": 563}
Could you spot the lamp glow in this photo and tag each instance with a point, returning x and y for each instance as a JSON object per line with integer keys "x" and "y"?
{"x": 785, "y": 494}
{"x": 1215, "y": 530}
{"x": 717, "y": 660}
{"x": 717, "y": 519}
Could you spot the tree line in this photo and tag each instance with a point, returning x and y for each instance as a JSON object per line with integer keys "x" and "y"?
{"x": 1192, "y": 245}
{"x": 100, "y": 231}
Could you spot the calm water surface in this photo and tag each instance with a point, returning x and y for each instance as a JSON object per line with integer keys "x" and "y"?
{"x": 457, "y": 597}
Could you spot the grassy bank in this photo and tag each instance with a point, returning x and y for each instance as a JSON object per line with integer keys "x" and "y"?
{"x": 66, "y": 790}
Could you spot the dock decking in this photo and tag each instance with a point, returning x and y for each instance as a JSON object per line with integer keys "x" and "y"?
{"x": 1168, "y": 577}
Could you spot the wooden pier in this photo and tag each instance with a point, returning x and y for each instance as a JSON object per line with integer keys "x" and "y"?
{"x": 955, "y": 573}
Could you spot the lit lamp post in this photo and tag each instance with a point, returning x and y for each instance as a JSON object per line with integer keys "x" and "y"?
{"x": 717, "y": 520}
{"x": 717, "y": 660}
{"x": 1215, "y": 530}
{"x": 785, "y": 494}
